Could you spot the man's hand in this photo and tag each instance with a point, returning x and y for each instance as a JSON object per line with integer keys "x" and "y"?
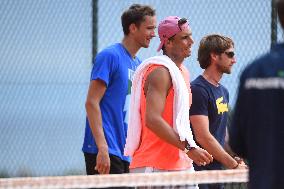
{"x": 239, "y": 160}
{"x": 241, "y": 163}
{"x": 242, "y": 166}
{"x": 200, "y": 156}
{"x": 103, "y": 162}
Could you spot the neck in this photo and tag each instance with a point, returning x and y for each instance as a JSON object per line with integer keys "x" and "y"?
{"x": 212, "y": 77}
{"x": 130, "y": 45}
{"x": 177, "y": 61}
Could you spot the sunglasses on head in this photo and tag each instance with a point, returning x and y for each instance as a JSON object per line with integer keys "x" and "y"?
{"x": 230, "y": 54}
{"x": 181, "y": 22}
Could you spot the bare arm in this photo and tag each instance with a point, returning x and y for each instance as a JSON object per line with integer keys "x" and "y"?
{"x": 96, "y": 91}
{"x": 156, "y": 88}
{"x": 200, "y": 125}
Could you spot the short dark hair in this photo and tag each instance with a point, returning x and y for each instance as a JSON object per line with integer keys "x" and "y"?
{"x": 214, "y": 43}
{"x": 136, "y": 14}
{"x": 280, "y": 11}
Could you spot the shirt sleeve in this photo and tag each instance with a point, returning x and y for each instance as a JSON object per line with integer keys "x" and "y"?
{"x": 103, "y": 67}
{"x": 200, "y": 100}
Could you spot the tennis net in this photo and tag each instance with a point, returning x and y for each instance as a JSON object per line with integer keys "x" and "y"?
{"x": 230, "y": 178}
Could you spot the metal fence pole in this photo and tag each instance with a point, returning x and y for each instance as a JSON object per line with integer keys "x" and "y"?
{"x": 94, "y": 28}
{"x": 273, "y": 23}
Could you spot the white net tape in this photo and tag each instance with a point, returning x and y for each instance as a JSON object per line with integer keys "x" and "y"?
{"x": 119, "y": 180}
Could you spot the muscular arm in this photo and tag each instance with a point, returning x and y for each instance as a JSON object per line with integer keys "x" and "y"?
{"x": 200, "y": 125}
{"x": 156, "y": 89}
{"x": 96, "y": 91}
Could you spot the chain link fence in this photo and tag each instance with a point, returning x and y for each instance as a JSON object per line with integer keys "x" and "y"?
{"x": 45, "y": 59}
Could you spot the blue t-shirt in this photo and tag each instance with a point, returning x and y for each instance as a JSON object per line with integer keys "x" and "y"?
{"x": 211, "y": 101}
{"x": 115, "y": 67}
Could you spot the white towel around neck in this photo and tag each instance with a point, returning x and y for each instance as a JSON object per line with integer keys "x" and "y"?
{"x": 180, "y": 109}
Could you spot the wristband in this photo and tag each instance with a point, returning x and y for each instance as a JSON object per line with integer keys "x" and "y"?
{"x": 187, "y": 147}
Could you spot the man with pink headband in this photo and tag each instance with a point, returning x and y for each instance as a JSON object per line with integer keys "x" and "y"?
{"x": 160, "y": 100}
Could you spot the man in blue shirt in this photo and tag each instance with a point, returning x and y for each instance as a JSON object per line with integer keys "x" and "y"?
{"x": 109, "y": 93}
{"x": 257, "y": 131}
{"x": 210, "y": 99}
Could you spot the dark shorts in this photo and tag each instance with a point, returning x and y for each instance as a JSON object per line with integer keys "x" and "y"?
{"x": 117, "y": 165}
{"x": 211, "y": 186}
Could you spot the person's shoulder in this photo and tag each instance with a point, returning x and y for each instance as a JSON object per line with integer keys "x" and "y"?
{"x": 198, "y": 82}
{"x": 160, "y": 70}
{"x": 274, "y": 57}
{"x": 265, "y": 63}
{"x": 159, "y": 76}
{"x": 159, "y": 73}
{"x": 198, "y": 85}
{"x": 108, "y": 56}
{"x": 112, "y": 50}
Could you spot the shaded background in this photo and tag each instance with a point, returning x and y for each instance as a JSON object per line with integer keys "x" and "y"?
{"x": 46, "y": 59}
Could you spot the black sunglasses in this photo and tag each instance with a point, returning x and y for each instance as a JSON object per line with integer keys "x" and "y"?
{"x": 181, "y": 22}
{"x": 230, "y": 54}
